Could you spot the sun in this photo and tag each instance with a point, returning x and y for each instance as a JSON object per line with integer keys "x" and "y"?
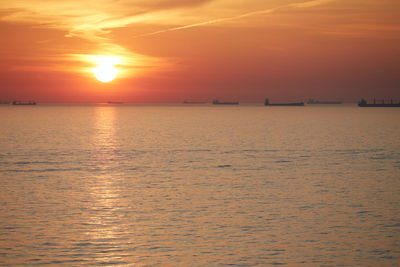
{"x": 105, "y": 72}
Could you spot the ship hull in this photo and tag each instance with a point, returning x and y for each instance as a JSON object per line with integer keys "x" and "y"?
{"x": 216, "y": 102}
{"x": 379, "y": 105}
{"x": 286, "y": 104}
{"x": 226, "y": 103}
{"x": 324, "y": 103}
{"x": 17, "y": 103}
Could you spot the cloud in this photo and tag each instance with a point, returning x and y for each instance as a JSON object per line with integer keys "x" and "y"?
{"x": 93, "y": 21}
{"x": 311, "y": 3}
{"x": 86, "y": 20}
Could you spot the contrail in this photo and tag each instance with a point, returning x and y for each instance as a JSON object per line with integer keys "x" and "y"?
{"x": 249, "y": 14}
{"x": 214, "y": 21}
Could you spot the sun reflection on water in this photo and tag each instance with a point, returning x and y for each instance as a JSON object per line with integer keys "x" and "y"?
{"x": 104, "y": 215}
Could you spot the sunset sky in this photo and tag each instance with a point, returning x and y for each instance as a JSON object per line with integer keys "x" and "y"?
{"x": 171, "y": 50}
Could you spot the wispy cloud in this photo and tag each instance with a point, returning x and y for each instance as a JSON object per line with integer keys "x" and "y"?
{"x": 311, "y": 3}
{"x": 87, "y": 19}
{"x": 93, "y": 21}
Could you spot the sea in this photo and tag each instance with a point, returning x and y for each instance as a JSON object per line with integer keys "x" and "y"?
{"x": 199, "y": 185}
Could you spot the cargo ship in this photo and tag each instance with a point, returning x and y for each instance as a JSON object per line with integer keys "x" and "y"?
{"x": 217, "y": 102}
{"x": 363, "y": 103}
{"x": 23, "y": 103}
{"x": 317, "y": 102}
{"x": 266, "y": 103}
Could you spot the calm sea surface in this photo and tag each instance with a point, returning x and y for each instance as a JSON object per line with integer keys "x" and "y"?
{"x": 199, "y": 185}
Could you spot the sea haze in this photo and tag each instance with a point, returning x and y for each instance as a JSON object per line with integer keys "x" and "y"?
{"x": 199, "y": 185}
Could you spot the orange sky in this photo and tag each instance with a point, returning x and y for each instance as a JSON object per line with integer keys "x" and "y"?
{"x": 171, "y": 50}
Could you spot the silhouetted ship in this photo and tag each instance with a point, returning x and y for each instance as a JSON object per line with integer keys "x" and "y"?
{"x": 193, "y": 102}
{"x": 114, "y": 102}
{"x": 4, "y": 103}
{"x": 311, "y": 101}
{"x": 266, "y": 103}
{"x": 217, "y": 102}
{"x": 23, "y": 103}
{"x": 364, "y": 103}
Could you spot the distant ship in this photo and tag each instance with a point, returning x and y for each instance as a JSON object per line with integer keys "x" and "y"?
{"x": 193, "y": 102}
{"x": 4, "y": 103}
{"x": 364, "y": 103}
{"x": 266, "y": 103}
{"x": 23, "y": 103}
{"x": 217, "y": 102}
{"x": 113, "y": 102}
{"x": 311, "y": 101}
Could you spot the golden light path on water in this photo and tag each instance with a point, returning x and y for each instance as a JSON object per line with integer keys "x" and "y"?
{"x": 104, "y": 193}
